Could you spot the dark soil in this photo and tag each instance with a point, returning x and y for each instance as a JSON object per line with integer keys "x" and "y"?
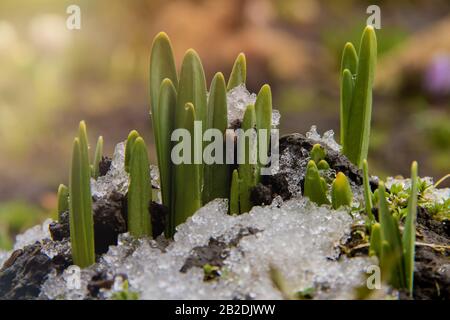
{"x": 26, "y": 270}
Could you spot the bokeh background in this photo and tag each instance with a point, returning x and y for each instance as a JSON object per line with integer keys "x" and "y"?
{"x": 51, "y": 78}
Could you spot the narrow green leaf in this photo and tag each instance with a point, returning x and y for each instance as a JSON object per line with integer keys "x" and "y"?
{"x": 391, "y": 234}
{"x": 341, "y": 193}
{"x": 97, "y": 158}
{"x": 263, "y": 110}
{"x": 234, "y": 193}
{"x": 317, "y": 153}
{"x": 63, "y": 199}
{"x": 139, "y": 191}
{"x": 187, "y": 188}
{"x": 409, "y": 233}
{"x": 314, "y": 187}
{"x": 80, "y": 207}
{"x": 162, "y": 66}
{"x": 238, "y": 73}
{"x": 132, "y": 136}
{"x": 217, "y": 175}
{"x": 349, "y": 59}
{"x": 248, "y": 171}
{"x": 164, "y": 118}
{"x": 375, "y": 240}
{"x": 347, "y": 86}
{"x": 357, "y": 133}
{"x": 367, "y": 192}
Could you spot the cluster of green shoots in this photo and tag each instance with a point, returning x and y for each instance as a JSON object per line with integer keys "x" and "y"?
{"x": 177, "y": 100}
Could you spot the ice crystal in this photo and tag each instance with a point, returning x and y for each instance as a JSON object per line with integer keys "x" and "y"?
{"x": 327, "y": 138}
{"x": 32, "y": 235}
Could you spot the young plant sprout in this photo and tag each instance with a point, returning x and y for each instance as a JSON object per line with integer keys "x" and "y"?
{"x": 357, "y": 74}
{"x": 139, "y": 191}
{"x": 341, "y": 193}
{"x": 63, "y": 200}
{"x": 95, "y": 167}
{"x": 80, "y": 207}
{"x": 315, "y": 185}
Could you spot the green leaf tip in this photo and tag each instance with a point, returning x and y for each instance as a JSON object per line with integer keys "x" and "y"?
{"x": 323, "y": 165}
{"x": 97, "y": 158}
{"x": 315, "y": 187}
{"x": 132, "y": 136}
{"x": 341, "y": 192}
{"x": 317, "y": 153}
{"x": 238, "y": 73}
{"x": 63, "y": 200}
{"x": 139, "y": 191}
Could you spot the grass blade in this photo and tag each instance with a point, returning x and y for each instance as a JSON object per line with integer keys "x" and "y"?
{"x": 409, "y": 233}
{"x": 263, "y": 110}
{"x": 139, "y": 191}
{"x": 238, "y": 73}
{"x": 375, "y": 240}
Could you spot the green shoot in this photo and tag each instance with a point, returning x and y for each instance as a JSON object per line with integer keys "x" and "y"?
{"x": 234, "y": 193}
{"x": 367, "y": 192}
{"x": 139, "y": 191}
{"x": 63, "y": 199}
{"x": 323, "y": 165}
{"x": 238, "y": 73}
{"x": 375, "y": 240}
{"x": 315, "y": 186}
{"x": 187, "y": 188}
{"x": 409, "y": 233}
{"x": 97, "y": 158}
{"x": 356, "y": 117}
{"x": 132, "y": 136}
{"x": 216, "y": 175}
{"x": 317, "y": 153}
{"x": 80, "y": 204}
{"x": 248, "y": 171}
{"x": 341, "y": 193}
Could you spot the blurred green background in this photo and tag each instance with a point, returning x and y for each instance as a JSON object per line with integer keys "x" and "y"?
{"x": 51, "y": 78}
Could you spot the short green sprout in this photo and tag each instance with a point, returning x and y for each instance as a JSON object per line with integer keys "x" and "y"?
{"x": 315, "y": 186}
{"x": 139, "y": 191}
{"x": 341, "y": 192}
{"x": 317, "y": 153}
{"x": 97, "y": 158}
{"x": 132, "y": 136}
{"x": 63, "y": 200}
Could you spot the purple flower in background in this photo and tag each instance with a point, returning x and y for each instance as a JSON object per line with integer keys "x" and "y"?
{"x": 437, "y": 75}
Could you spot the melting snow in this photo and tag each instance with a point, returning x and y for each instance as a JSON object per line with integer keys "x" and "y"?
{"x": 299, "y": 238}
{"x": 327, "y": 138}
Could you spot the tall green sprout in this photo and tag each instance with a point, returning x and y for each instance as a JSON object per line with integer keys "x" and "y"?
{"x": 139, "y": 191}
{"x": 80, "y": 206}
{"x": 357, "y": 75}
